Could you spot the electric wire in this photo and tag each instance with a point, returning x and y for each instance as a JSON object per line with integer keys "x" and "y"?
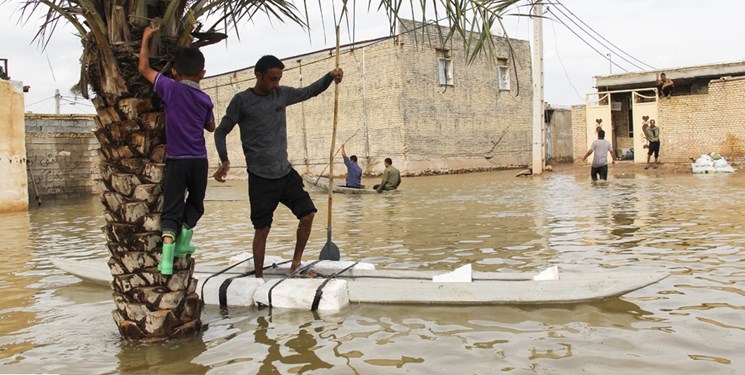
{"x": 584, "y": 41}
{"x": 39, "y": 102}
{"x": 76, "y": 101}
{"x": 556, "y": 46}
{"x": 601, "y": 36}
{"x": 593, "y": 37}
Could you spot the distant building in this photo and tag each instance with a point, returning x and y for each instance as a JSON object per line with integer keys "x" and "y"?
{"x": 705, "y": 113}
{"x": 62, "y": 156}
{"x": 408, "y": 97}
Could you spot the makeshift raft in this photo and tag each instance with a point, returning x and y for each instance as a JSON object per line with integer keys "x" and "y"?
{"x": 323, "y": 183}
{"x": 342, "y": 282}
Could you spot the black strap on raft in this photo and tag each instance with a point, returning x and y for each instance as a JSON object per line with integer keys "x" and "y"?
{"x": 319, "y": 290}
{"x": 292, "y": 275}
{"x": 223, "y": 291}
{"x": 220, "y": 273}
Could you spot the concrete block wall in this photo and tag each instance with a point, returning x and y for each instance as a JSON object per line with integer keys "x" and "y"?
{"x": 392, "y": 105}
{"x": 453, "y": 127}
{"x": 310, "y": 123}
{"x": 62, "y": 156}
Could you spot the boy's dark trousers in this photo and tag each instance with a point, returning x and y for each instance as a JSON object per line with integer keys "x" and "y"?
{"x": 184, "y": 187}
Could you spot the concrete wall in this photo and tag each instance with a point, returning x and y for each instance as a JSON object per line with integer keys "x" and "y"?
{"x": 12, "y": 148}
{"x": 579, "y": 132}
{"x": 560, "y": 125}
{"x": 692, "y": 125}
{"x": 391, "y": 104}
{"x": 452, "y": 127}
{"x": 62, "y": 156}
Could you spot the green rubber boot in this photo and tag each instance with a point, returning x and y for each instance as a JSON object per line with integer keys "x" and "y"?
{"x": 166, "y": 263}
{"x": 183, "y": 242}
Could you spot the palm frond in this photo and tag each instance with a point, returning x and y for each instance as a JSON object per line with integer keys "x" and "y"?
{"x": 232, "y": 14}
{"x": 50, "y": 19}
{"x": 464, "y": 18}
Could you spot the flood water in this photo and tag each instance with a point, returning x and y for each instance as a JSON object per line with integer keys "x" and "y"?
{"x": 693, "y": 322}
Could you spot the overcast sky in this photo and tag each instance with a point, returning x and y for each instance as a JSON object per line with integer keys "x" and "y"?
{"x": 659, "y": 33}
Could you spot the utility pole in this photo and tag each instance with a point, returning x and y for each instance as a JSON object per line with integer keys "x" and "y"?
{"x": 538, "y": 112}
{"x": 57, "y": 98}
{"x": 610, "y": 63}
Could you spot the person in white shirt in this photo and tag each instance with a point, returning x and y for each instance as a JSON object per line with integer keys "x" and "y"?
{"x": 601, "y": 147}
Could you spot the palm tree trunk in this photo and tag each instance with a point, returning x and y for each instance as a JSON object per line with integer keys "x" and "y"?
{"x": 130, "y": 129}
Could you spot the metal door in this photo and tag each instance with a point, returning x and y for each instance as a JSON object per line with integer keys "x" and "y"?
{"x": 643, "y": 105}
{"x": 598, "y": 114}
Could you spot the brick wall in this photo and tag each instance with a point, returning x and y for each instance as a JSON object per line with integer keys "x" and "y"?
{"x": 62, "y": 156}
{"x": 392, "y": 105}
{"x": 692, "y": 125}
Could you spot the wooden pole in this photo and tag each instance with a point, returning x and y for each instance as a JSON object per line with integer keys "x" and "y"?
{"x": 333, "y": 136}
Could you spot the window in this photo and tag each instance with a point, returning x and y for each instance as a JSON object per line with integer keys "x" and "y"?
{"x": 504, "y": 78}
{"x": 444, "y": 67}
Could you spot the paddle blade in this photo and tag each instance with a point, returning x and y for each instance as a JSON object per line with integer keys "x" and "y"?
{"x": 329, "y": 252}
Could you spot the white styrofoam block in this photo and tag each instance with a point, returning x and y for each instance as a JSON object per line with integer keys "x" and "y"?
{"x": 240, "y": 292}
{"x": 249, "y": 265}
{"x": 237, "y": 258}
{"x": 550, "y": 273}
{"x": 299, "y": 294}
{"x": 459, "y": 275}
{"x": 271, "y": 259}
{"x": 333, "y": 266}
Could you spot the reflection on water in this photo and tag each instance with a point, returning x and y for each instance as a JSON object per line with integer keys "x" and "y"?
{"x": 689, "y": 322}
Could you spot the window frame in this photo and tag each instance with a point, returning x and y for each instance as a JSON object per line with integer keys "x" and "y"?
{"x": 445, "y": 74}
{"x": 445, "y": 71}
{"x": 503, "y": 79}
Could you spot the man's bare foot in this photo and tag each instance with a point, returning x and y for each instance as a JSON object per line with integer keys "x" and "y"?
{"x": 294, "y": 266}
{"x": 305, "y": 272}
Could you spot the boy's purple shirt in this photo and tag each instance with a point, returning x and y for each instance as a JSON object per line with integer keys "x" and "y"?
{"x": 188, "y": 112}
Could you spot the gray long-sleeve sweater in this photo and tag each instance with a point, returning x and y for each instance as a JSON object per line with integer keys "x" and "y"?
{"x": 263, "y": 125}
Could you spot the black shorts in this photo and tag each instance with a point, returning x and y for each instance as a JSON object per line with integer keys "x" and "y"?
{"x": 654, "y": 148}
{"x": 265, "y": 194}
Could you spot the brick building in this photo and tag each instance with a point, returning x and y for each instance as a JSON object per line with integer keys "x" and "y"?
{"x": 408, "y": 97}
{"x": 704, "y": 114}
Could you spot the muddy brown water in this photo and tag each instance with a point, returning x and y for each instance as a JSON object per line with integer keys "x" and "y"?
{"x": 691, "y": 322}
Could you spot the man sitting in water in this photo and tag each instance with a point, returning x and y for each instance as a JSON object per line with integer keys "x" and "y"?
{"x": 391, "y": 177}
{"x": 354, "y": 171}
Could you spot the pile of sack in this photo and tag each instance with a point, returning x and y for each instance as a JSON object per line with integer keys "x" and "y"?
{"x": 711, "y": 163}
